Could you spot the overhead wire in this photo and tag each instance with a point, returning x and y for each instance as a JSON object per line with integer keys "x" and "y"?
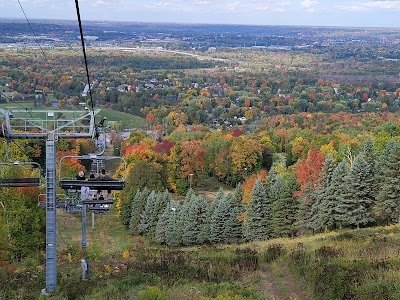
{"x": 36, "y": 39}
{"x": 43, "y": 53}
{"x": 85, "y": 57}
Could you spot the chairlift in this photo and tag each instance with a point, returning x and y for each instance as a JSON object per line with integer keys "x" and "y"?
{"x": 99, "y": 209}
{"x": 61, "y": 200}
{"x": 21, "y": 181}
{"x": 98, "y": 184}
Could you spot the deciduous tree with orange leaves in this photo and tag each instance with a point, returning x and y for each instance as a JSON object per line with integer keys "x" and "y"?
{"x": 307, "y": 169}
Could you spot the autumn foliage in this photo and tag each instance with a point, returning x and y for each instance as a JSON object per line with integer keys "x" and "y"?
{"x": 248, "y": 184}
{"x": 307, "y": 169}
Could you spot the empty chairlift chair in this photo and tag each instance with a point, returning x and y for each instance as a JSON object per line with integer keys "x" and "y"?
{"x": 20, "y": 174}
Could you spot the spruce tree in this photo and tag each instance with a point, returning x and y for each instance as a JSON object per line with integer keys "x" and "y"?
{"x": 336, "y": 192}
{"x": 257, "y": 225}
{"x": 138, "y": 205}
{"x": 355, "y": 207}
{"x": 304, "y": 218}
{"x": 233, "y": 230}
{"x": 146, "y": 216}
{"x": 285, "y": 209}
{"x": 172, "y": 234}
{"x": 387, "y": 206}
{"x": 324, "y": 195}
{"x": 162, "y": 200}
{"x": 218, "y": 219}
{"x": 210, "y": 211}
{"x": 126, "y": 209}
{"x": 162, "y": 225}
{"x": 182, "y": 216}
{"x": 194, "y": 232}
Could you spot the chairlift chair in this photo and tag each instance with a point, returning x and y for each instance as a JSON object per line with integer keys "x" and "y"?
{"x": 21, "y": 181}
{"x": 96, "y": 184}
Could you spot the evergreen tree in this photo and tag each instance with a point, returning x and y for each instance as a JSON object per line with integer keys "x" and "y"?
{"x": 233, "y": 230}
{"x": 146, "y": 216}
{"x": 304, "y": 218}
{"x": 238, "y": 194}
{"x": 276, "y": 185}
{"x": 257, "y": 225}
{"x": 336, "y": 192}
{"x": 138, "y": 205}
{"x": 324, "y": 195}
{"x": 387, "y": 206}
{"x": 172, "y": 234}
{"x": 162, "y": 200}
{"x": 126, "y": 209}
{"x": 194, "y": 232}
{"x": 162, "y": 225}
{"x": 285, "y": 209}
{"x": 218, "y": 219}
{"x": 182, "y": 216}
{"x": 210, "y": 211}
{"x": 355, "y": 207}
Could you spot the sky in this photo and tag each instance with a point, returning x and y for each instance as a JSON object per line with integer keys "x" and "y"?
{"x": 358, "y": 13}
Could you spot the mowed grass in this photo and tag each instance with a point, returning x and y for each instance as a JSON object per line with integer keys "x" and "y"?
{"x": 208, "y": 187}
{"x": 113, "y": 117}
{"x": 107, "y": 238}
{"x": 127, "y": 120}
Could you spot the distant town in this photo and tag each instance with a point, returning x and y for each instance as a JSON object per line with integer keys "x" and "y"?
{"x": 16, "y": 34}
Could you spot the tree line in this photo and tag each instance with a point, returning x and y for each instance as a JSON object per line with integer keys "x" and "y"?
{"x": 360, "y": 191}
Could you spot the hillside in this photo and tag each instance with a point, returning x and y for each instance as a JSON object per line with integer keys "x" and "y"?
{"x": 350, "y": 264}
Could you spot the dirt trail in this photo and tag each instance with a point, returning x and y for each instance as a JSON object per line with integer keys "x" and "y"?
{"x": 284, "y": 288}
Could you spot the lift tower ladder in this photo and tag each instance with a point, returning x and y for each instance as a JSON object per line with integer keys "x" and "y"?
{"x": 51, "y": 126}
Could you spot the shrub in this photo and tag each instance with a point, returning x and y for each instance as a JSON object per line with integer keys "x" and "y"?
{"x": 151, "y": 293}
{"x": 273, "y": 252}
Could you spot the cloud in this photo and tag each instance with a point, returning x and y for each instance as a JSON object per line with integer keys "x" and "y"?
{"x": 309, "y": 5}
{"x": 370, "y": 5}
{"x": 222, "y": 6}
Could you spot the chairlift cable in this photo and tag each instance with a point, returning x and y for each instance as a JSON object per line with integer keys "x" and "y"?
{"x": 36, "y": 40}
{"x": 85, "y": 58}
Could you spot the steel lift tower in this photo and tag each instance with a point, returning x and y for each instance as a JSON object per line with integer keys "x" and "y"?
{"x": 51, "y": 126}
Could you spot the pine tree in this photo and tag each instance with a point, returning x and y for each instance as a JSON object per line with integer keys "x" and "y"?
{"x": 125, "y": 210}
{"x": 218, "y": 219}
{"x": 162, "y": 200}
{"x": 162, "y": 225}
{"x": 304, "y": 218}
{"x": 387, "y": 206}
{"x": 182, "y": 217}
{"x": 210, "y": 211}
{"x": 355, "y": 207}
{"x": 324, "y": 196}
{"x": 285, "y": 209}
{"x": 138, "y": 204}
{"x": 238, "y": 194}
{"x": 336, "y": 192}
{"x": 194, "y": 232}
{"x": 172, "y": 234}
{"x": 145, "y": 219}
{"x": 257, "y": 225}
{"x": 233, "y": 230}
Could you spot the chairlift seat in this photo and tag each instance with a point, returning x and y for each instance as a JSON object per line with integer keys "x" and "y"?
{"x": 98, "y": 201}
{"x": 99, "y": 209}
{"x": 19, "y": 182}
{"x": 113, "y": 185}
